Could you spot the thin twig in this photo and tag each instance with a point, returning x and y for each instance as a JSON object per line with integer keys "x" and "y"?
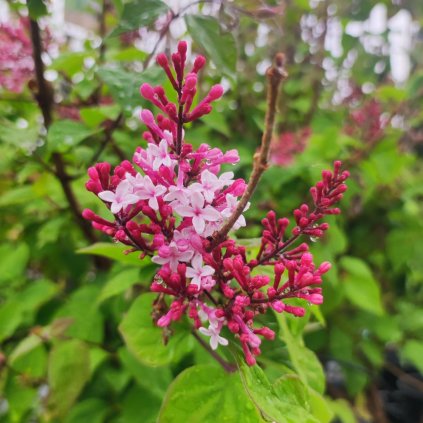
{"x": 107, "y": 137}
{"x": 45, "y": 99}
{"x": 228, "y": 367}
{"x": 275, "y": 75}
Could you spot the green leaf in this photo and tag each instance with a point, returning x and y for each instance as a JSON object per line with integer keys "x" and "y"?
{"x": 68, "y": 371}
{"x": 153, "y": 379}
{"x": 139, "y": 405}
{"x": 114, "y": 252}
{"x": 360, "y": 286}
{"x": 36, "y": 9}
{"x": 11, "y": 317}
{"x": 82, "y": 309}
{"x": 24, "y": 347}
{"x": 145, "y": 340}
{"x": 320, "y": 407}
{"x": 268, "y": 399}
{"x": 32, "y": 364}
{"x": 413, "y": 352}
{"x": 20, "y": 398}
{"x": 94, "y": 116}
{"x": 206, "y": 31}
{"x": 66, "y": 134}
{"x": 292, "y": 390}
{"x": 303, "y": 360}
{"x": 207, "y": 394}
{"x": 70, "y": 62}
{"x": 14, "y": 259}
{"x": 124, "y": 86}
{"x": 138, "y": 14}
{"x": 343, "y": 411}
{"x": 124, "y": 280}
{"x": 91, "y": 410}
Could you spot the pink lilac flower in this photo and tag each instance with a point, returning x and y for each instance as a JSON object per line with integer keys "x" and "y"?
{"x": 198, "y": 272}
{"x": 159, "y": 154}
{"x": 288, "y": 145}
{"x": 215, "y": 338}
{"x": 210, "y": 183}
{"x": 172, "y": 255}
{"x": 201, "y": 214}
{"x": 149, "y": 191}
{"x": 121, "y": 198}
{"x": 231, "y": 205}
{"x": 16, "y": 63}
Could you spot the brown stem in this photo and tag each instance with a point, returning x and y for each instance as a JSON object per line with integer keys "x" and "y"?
{"x": 228, "y": 367}
{"x": 45, "y": 99}
{"x": 404, "y": 377}
{"x": 275, "y": 75}
{"x": 180, "y": 129}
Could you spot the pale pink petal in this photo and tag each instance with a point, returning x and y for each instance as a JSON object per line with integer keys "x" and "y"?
{"x": 107, "y": 196}
{"x": 190, "y": 273}
{"x": 153, "y": 203}
{"x": 185, "y": 256}
{"x": 116, "y": 208}
{"x": 214, "y": 341}
{"x": 207, "y": 271}
{"x": 159, "y": 260}
{"x": 197, "y": 261}
{"x": 123, "y": 188}
{"x": 197, "y": 200}
{"x": 222, "y": 341}
{"x": 205, "y": 331}
{"x": 199, "y": 224}
{"x": 184, "y": 211}
{"x": 211, "y": 214}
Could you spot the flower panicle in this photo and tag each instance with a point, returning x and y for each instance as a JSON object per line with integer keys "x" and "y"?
{"x": 171, "y": 199}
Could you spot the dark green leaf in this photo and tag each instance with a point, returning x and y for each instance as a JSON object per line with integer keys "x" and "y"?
{"x": 138, "y": 14}
{"x": 36, "y": 9}
{"x": 219, "y": 46}
{"x": 66, "y": 134}
{"x": 114, "y": 252}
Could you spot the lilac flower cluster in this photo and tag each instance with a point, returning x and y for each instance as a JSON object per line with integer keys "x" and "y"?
{"x": 172, "y": 200}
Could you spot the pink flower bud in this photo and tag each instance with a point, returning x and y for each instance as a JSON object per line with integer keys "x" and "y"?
{"x": 278, "y": 306}
{"x": 162, "y": 61}
{"x": 147, "y": 117}
{"x": 215, "y": 93}
{"x": 199, "y": 63}
{"x": 147, "y": 91}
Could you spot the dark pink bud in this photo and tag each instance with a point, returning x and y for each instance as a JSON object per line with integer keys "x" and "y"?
{"x": 199, "y": 63}
{"x": 215, "y": 93}
{"x": 147, "y": 91}
{"x": 88, "y": 214}
{"x": 233, "y": 326}
{"x": 162, "y": 61}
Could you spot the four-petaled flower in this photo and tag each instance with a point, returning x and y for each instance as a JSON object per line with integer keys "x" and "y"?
{"x": 158, "y": 154}
{"x": 210, "y": 183}
{"x": 231, "y": 205}
{"x": 150, "y": 192}
{"x": 120, "y": 199}
{"x": 197, "y": 272}
{"x": 171, "y": 255}
{"x": 200, "y": 214}
{"x": 215, "y": 339}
